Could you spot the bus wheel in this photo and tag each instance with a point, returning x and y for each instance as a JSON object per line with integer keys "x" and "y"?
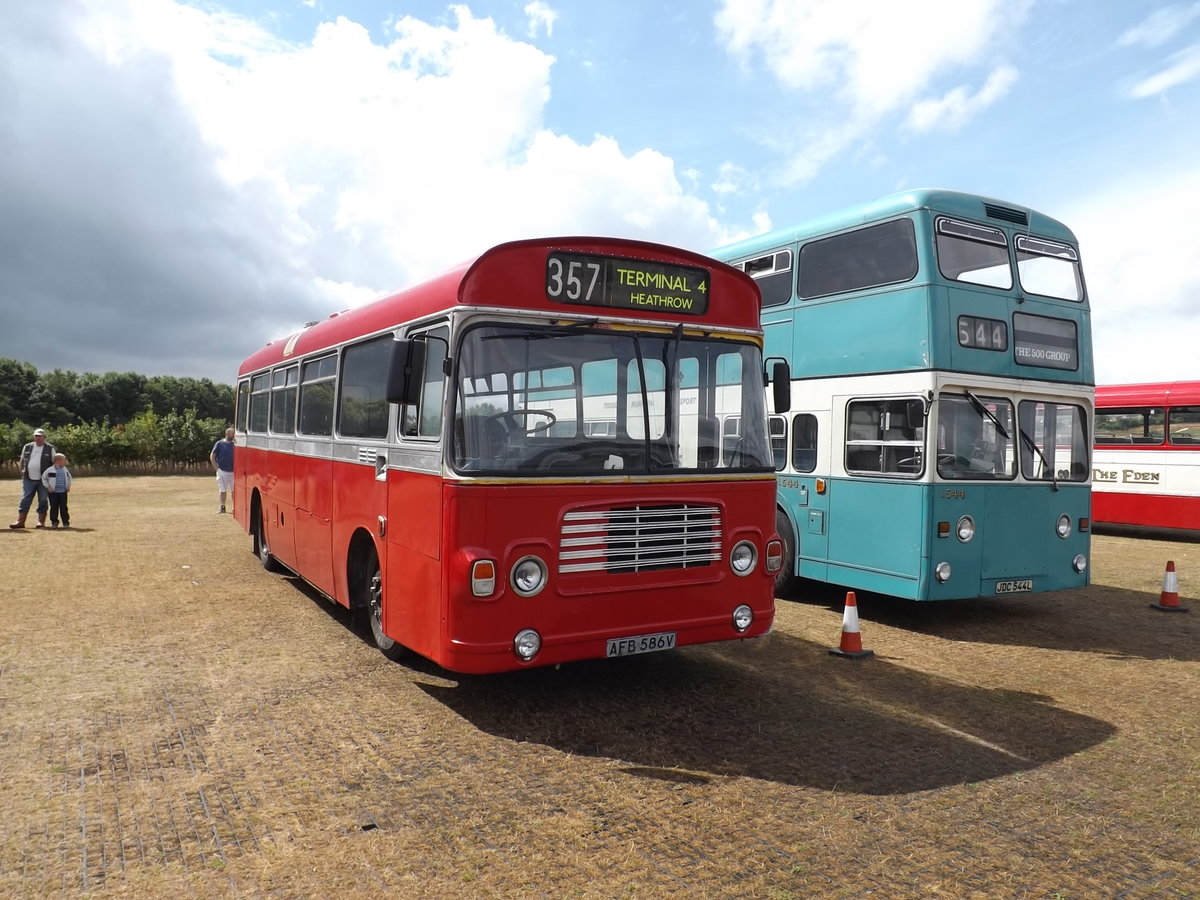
{"x": 372, "y": 585}
{"x": 261, "y": 549}
{"x": 786, "y": 581}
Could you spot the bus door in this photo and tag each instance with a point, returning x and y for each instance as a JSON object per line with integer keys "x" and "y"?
{"x": 414, "y": 503}
{"x": 805, "y": 495}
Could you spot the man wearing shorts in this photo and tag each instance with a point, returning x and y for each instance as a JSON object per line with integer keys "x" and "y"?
{"x": 222, "y": 460}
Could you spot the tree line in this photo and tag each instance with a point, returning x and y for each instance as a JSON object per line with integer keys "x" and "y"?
{"x": 118, "y": 421}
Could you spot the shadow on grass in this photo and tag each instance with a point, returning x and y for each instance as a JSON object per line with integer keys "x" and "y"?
{"x": 780, "y": 709}
{"x": 1098, "y": 619}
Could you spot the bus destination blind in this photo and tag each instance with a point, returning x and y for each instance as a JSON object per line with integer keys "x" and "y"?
{"x": 587, "y": 280}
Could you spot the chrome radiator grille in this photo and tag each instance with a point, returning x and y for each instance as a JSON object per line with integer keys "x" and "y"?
{"x": 639, "y": 539}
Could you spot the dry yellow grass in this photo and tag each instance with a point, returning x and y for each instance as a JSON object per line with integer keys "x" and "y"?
{"x": 177, "y": 721}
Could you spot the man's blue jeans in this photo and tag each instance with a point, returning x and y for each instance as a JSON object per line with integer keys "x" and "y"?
{"x": 29, "y": 487}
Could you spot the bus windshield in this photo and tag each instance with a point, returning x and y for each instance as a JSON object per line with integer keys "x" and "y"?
{"x": 591, "y": 400}
{"x": 975, "y": 437}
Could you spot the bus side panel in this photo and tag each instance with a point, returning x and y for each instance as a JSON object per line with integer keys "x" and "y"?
{"x": 808, "y": 512}
{"x": 359, "y": 499}
{"x": 412, "y": 609}
{"x": 876, "y": 541}
{"x": 280, "y": 506}
{"x": 831, "y": 336}
{"x": 1146, "y": 510}
{"x": 314, "y": 516}
{"x": 1156, "y": 488}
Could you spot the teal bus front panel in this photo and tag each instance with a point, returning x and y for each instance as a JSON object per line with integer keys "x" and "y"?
{"x": 1015, "y": 545}
{"x": 881, "y": 535}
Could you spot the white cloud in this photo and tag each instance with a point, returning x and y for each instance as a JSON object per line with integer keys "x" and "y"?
{"x": 1182, "y": 67}
{"x": 1160, "y": 26}
{"x": 862, "y": 51}
{"x": 959, "y": 106}
{"x": 186, "y": 170}
{"x": 1142, "y": 281}
{"x": 864, "y": 60}
{"x": 541, "y": 17}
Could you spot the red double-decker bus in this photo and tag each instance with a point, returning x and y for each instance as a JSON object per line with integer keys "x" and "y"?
{"x": 555, "y": 452}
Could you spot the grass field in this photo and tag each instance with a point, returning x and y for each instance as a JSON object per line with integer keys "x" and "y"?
{"x": 175, "y": 721}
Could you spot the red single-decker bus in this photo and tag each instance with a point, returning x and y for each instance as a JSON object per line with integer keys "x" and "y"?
{"x": 555, "y": 452}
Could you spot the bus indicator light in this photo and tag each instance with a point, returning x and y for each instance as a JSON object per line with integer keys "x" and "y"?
{"x": 943, "y": 529}
{"x": 483, "y": 578}
{"x": 774, "y": 556}
{"x": 1085, "y": 524}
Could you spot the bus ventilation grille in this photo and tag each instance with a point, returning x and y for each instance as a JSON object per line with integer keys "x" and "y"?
{"x": 639, "y": 539}
{"x": 1006, "y": 213}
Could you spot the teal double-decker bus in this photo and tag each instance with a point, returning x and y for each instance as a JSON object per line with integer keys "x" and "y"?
{"x": 938, "y": 439}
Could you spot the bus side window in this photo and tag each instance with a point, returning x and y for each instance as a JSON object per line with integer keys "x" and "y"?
{"x": 362, "y": 401}
{"x": 243, "y": 405}
{"x": 1184, "y": 425}
{"x": 316, "y": 396}
{"x": 425, "y": 420}
{"x": 777, "y": 428}
{"x": 804, "y": 442}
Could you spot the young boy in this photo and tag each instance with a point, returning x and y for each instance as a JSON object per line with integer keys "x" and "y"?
{"x": 57, "y": 481}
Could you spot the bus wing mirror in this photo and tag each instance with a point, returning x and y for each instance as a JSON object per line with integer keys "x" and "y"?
{"x": 405, "y": 372}
{"x": 914, "y": 413}
{"x": 781, "y": 385}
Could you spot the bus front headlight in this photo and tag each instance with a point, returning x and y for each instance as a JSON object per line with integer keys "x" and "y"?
{"x": 742, "y": 558}
{"x": 743, "y": 616}
{"x": 1079, "y": 563}
{"x": 526, "y": 644}
{"x": 528, "y": 576}
{"x": 966, "y": 529}
{"x": 1063, "y": 526}
{"x": 942, "y": 572}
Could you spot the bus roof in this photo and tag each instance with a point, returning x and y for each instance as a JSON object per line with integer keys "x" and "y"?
{"x": 1161, "y": 393}
{"x": 513, "y": 275}
{"x": 954, "y": 203}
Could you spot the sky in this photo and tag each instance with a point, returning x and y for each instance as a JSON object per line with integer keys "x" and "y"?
{"x": 183, "y": 181}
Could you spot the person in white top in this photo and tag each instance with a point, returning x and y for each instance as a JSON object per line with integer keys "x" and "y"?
{"x": 36, "y": 457}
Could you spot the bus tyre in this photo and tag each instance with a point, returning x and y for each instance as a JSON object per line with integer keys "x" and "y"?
{"x": 372, "y": 602}
{"x": 261, "y": 548}
{"x": 786, "y": 582}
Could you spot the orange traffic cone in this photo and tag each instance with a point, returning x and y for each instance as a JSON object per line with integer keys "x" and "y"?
{"x": 851, "y": 646}
{"x": 1168, "y": 600}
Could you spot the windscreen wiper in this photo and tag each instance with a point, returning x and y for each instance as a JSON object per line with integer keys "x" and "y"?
{"x": 980, "y": 408}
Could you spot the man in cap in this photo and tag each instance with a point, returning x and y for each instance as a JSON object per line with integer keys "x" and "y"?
{"x": 36, "y": 457}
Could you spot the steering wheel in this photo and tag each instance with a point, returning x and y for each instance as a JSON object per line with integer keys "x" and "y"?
{"x": 512, "y": 415}
{"x": 909, "y": 463}
{"x": 949, "y": 459}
